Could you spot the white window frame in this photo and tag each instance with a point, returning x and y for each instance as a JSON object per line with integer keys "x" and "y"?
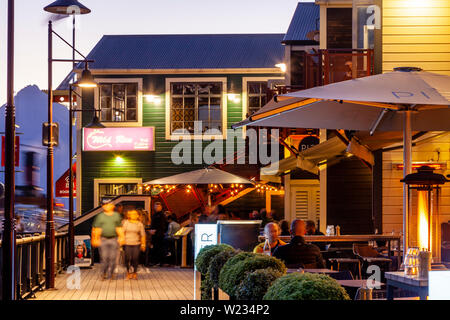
{"x": 245, "y": 81}
{"x": 98, "y": 181}
{"x": 139, "y": 81}
{"x": 177, "y": 137}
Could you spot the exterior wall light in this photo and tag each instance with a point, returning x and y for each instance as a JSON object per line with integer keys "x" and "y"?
{"x": 235, "y": 97}
{"x": 153, "y": 99}
{"x": 282, "y": 66}
{"x": 119, "y": 160}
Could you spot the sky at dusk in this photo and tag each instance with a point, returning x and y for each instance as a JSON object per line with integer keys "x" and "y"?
{"x": 127, "y": 17}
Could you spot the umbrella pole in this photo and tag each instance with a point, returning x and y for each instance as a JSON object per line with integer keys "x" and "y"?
{"x": 407, "y": 168}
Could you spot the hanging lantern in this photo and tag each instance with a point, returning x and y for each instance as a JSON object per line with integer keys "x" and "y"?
{"x": 424, "y": 214}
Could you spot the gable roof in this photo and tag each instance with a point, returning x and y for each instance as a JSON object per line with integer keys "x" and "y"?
{"x": 196, "y": 51}
{"x": 306, "y": 18}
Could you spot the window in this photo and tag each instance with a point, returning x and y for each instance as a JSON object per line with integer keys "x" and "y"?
{"x": 196, "y": 101}
{"x": 119, "y": 102}
{"x": 256, "y": 95}
{"x": 112, "y": 190}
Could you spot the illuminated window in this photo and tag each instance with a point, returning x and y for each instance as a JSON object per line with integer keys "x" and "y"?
{"x": 196, "y": 101}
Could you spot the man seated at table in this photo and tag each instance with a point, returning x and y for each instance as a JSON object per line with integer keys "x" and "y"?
{"x": 312, "y": 231}
{"x": 271, "y": 232}
{"x": 298, "y": 253}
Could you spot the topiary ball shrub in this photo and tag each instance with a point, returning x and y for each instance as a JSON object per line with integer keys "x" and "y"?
{"x": 306, "y": 286}
{"x": 202, "y": 263}
{"x": 236, "y": 269}
{"x": 206, "y": 254}
{"x": 217, "y": 264}
{"x": 255, "y": 284}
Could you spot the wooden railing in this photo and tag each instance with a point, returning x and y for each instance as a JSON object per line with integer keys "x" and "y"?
{"x": 30, "y": 262}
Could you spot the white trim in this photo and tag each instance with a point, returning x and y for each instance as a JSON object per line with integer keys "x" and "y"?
{"x": 223, "y": 136}
{"x": 97, "y": 181}
{"x": 140, "y": 112}
{"x": 181, "y": 71}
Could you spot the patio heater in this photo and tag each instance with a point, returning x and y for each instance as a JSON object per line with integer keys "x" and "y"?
{"x": 424, "y": 188}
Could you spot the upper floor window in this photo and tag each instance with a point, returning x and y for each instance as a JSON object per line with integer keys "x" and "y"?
{"x": 119, "y": 102}
{"x": 257, "y": 95}
{"x": 196, "y": 101}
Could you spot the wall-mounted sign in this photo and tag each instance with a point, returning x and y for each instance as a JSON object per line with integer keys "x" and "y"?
{"x": 307, "y": 143}
{"x": 119, "y": 139}
{"x": 205, "y": 235}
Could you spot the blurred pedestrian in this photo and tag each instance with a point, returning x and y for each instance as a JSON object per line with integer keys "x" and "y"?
{"x": 134, "y": 242}
{"x": 158, "y": 229}
{"x": 284, "y": 226}
{"x": 107, "y": 234}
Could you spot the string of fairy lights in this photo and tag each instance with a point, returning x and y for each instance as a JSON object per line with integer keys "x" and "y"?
{"x": 234, "y": 189}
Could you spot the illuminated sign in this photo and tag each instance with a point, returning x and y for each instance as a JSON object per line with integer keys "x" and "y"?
{"x": 205, "y": 235}
{"x": 119, "y": 139}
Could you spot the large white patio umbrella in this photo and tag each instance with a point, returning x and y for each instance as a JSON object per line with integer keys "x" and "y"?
{"x": 407, "y": 99}
{"x": 202, "y": 176}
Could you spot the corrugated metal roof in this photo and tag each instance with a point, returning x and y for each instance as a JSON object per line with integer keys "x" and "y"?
{"x": 199, "y": 51}
{"x": 305, "y": 19}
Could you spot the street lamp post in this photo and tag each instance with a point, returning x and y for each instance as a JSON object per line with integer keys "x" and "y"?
{"x": 9, "y": 236}
{"x": 60, "y": 7}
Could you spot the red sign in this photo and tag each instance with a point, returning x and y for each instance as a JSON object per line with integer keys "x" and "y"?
{"x": 62, "y": 184}
{"x": 119, "y": 139}
{"x": 17, "y": 149}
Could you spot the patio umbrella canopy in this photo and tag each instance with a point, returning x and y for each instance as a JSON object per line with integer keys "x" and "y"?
{"x": 407, "y": 100}
{"x": 202, "y": 176}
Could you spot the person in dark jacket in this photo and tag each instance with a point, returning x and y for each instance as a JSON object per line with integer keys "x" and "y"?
{"x": 312, "y": 231}
{"x": 158, "y": 229}
{"x": 297, "y": 253}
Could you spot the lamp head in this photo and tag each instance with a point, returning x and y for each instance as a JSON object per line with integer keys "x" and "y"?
{"x": 87, "y": 80}
{"x": 95, "y": 124}
{"x": 67, "y": 7}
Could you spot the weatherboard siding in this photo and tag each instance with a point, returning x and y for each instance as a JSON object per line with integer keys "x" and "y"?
{"x": 393, "y": 188}
{"x": 416, "y": 33}
{"x": 154, "y": 164}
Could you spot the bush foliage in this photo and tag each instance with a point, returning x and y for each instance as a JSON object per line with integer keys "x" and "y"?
{"x": 306, "y": 286}
{"x": 217, "y": 263}
{"x": 235, "y": 269}
{"x": 206, "y": 254}
{"x": 255, "y": 284}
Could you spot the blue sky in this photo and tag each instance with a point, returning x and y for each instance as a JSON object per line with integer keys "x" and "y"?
{"x": 127, "y": 17}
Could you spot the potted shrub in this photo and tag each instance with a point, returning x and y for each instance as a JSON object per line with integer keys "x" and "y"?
{"x": 306, "y": 286}
{"x": 235, "y": 269}
{"x": 217, "y": 264}
{"x": 255, "y": 284}
{"x": 202, "y": 263}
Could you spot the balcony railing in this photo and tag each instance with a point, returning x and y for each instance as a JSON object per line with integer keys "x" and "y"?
{"x": 329, "y": 66}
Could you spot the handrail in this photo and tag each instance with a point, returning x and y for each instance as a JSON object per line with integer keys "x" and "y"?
{"x": 30, "y": 266}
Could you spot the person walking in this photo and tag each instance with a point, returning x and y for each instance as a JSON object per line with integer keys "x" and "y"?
{"x": 158, "y": 229}
{"x": 134, "y": 242}
{"x": 107, "y": 235}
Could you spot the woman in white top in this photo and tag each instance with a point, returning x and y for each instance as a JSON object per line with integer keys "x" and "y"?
{"x": 134, "y": 239}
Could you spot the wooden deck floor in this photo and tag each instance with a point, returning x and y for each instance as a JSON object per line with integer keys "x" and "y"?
{"x": 153, "y": 284}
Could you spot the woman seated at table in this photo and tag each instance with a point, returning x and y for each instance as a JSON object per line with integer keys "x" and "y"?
{"x": 271, "y": 232}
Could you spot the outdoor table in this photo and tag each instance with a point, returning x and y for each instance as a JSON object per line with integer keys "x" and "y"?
{"x": 410, "y": 283}
{"x": 324, "y": 270}
{"x": 359, "y": 283}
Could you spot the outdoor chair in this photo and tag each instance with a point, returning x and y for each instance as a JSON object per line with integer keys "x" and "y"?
{"x": 368, "y": 255}
{"x": 348, "y": 261}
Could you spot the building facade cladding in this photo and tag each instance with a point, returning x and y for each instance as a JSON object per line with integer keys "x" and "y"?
{"x": 148, "y": 165}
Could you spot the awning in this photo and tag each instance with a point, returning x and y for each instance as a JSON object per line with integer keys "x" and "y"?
{"x": 330, "y": 151}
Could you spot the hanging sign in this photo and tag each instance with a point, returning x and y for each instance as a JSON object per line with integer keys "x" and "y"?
{"x": 119, "y": 139}
{"x": 62, "y": 184}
